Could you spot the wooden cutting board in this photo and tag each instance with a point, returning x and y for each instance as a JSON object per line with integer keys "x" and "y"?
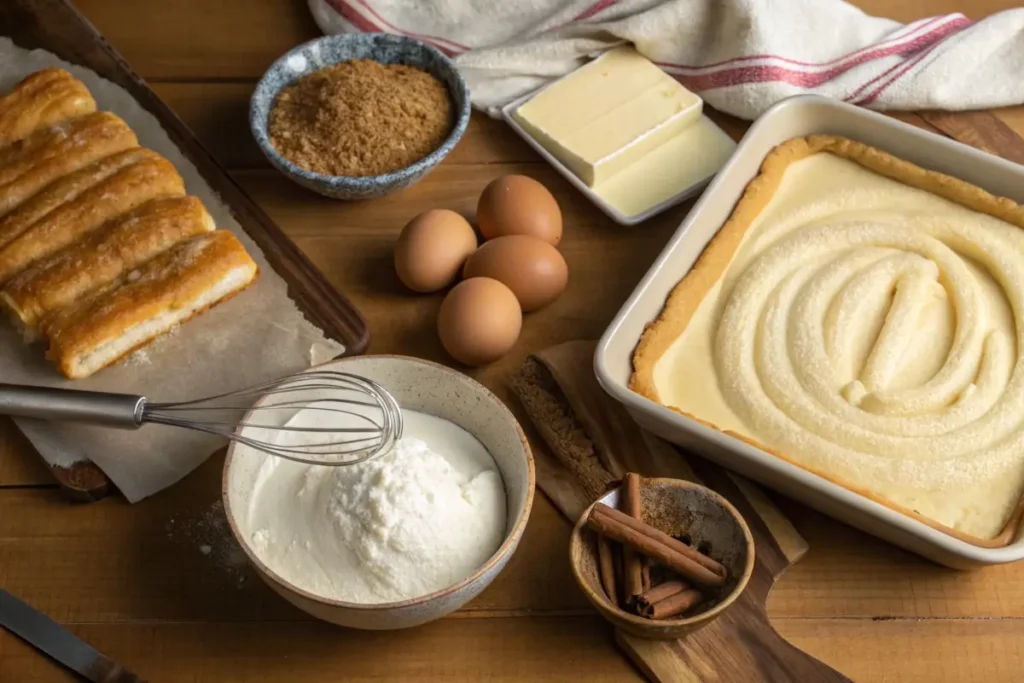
{"x": 581, "y": 425}
{"x": 741, "y": 645}
{"x": 56, "y": 26}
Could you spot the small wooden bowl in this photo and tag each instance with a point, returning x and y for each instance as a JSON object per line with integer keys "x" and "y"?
{"x": 678, "y": 508}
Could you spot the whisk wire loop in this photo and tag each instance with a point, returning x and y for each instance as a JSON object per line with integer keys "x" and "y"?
{"x": 364, "y": 428}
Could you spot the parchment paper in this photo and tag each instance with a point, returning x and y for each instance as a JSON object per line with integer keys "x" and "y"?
{"x": 256, "y": 336}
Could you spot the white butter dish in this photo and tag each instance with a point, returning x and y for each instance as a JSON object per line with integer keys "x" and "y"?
{"x": 675, "y": 170}
{"x": 608, "y": 114}
{"x": 796, "y": 117}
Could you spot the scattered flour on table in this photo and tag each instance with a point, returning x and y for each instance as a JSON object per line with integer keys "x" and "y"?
{"x": 209, "y": 533}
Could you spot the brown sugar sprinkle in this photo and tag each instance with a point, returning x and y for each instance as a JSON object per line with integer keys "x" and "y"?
{"x": 360, "y": 118}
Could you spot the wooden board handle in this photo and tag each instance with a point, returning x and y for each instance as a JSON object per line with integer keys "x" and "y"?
{"x": 765, "y": 656}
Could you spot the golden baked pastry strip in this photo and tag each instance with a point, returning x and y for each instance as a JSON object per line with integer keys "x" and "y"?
{"x": 65, "y": 190}
{"x": 34, "y": 162}
{"x": 151, "y": 178}
{"x": 100, "y": 328}
{"x": 42, "y": 99}
{"x": 101, "y": 258}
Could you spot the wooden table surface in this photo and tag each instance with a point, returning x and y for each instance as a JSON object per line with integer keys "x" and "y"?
{"x": 158, "y": 585}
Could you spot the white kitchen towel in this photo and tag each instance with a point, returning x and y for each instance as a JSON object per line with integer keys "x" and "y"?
{"x": 741, "y": 56}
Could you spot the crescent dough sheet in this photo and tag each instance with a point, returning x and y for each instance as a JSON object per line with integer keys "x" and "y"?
{"x": 42, "y": 99}
{"x": 163, "y": 293}
{"x": 34, "y": 162}
{"x": 66, "y": 189}
{"x": 126, "y": 189}
{"x": 862, "y": 318}
{"x": 101, "y": 258}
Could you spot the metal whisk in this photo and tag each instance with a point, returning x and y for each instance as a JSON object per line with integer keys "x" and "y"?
{"x": 364, "y": 419}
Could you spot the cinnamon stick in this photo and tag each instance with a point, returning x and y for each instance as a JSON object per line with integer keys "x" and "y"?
{"x": 700, "y": 558}
{"x": 606, "y": 565}
{"x": 662, "y": 591}
{"x": 656, "y": 545}
{"x": 633, "y": 569}
{"x": 672, "y": 605}
{"x": 646, "y": 571}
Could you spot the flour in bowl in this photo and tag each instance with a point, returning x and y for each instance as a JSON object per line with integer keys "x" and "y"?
{"x": 414, "y": 521}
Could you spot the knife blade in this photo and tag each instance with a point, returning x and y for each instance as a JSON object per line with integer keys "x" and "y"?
{"x": 49, "y": 637}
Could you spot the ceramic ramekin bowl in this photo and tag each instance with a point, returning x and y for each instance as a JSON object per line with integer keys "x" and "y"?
{"x": 430, "y": 388}
{"x": 680, "y": 509}
{"x": 328, "y": 50}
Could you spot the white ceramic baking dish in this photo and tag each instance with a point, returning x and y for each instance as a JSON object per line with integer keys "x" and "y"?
{"x": 794, "y": 117}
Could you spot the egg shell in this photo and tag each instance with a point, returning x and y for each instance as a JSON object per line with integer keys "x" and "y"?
{"x": 479, "y": 321}
{"x": 432, "y": 248}
{"x": 533, "y": 269}
{"x": 519, "y": 205}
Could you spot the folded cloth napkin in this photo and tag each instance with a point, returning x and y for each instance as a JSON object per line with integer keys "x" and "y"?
{"x": 741, "y": 56}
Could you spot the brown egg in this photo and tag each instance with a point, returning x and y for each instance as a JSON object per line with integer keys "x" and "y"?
{"x": 533, "y": 269}
{"x": 518, "y": 205}
{"x": 479, "y": 321}
{"x": 432, "y": 248}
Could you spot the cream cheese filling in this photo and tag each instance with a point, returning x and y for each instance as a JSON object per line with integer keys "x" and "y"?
{"x": 869, "y": 330}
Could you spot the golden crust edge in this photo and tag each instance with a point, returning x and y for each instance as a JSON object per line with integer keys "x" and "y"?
{"x": 689, "y": 292}
{"x": 63, "y": 364}
{"x": 22, "y": 304}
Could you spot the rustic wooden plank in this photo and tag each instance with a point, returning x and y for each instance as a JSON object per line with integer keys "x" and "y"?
{"x": 534, "y": 649}
{"x": 912, "y": 651}
{"x": 531, "y": 649}
{"x": 197, "y": 39}
{"x": 911, "y": 10}
{"x": 1012, "y": 117}
{"x": 20, "y": 465}
{"x": 302, "y": 212}
{"x": 218, "y": 113}
{"x": 980, "y": 129}
{"x": 914, "y": 119}
{"x": 172, "y": 558}
{"x": 848, "y": 573}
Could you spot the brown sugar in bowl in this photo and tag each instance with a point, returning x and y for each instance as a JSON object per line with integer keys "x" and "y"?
{"x": 334, "y": 49}
{"x": 678, "y": 508}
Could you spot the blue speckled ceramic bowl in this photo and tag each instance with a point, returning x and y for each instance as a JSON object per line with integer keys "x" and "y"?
{"x": 380, "y": 47}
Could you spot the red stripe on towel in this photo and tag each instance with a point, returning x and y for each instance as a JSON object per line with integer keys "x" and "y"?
{"x": 896, "y": 38}
{"x": 353, "y": 16}
{"x": 900, "y": 70}
{"x": 594, "y": 9}
{"x": 763, "y": 73}
{"x": 449, "y": 46}
{"x": 871, "y": 97}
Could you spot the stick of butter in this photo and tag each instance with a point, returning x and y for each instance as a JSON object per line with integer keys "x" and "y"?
{"x": 608, "y": 114}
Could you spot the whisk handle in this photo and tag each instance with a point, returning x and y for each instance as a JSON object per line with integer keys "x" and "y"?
{"x": 72, "y": 405}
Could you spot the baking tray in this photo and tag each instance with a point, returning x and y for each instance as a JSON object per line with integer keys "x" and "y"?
{"x": 56, "y": 26}
{"x": 795, "y": 117}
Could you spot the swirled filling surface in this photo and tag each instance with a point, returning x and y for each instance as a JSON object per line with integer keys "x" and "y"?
{"x": 869, "y": 331}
